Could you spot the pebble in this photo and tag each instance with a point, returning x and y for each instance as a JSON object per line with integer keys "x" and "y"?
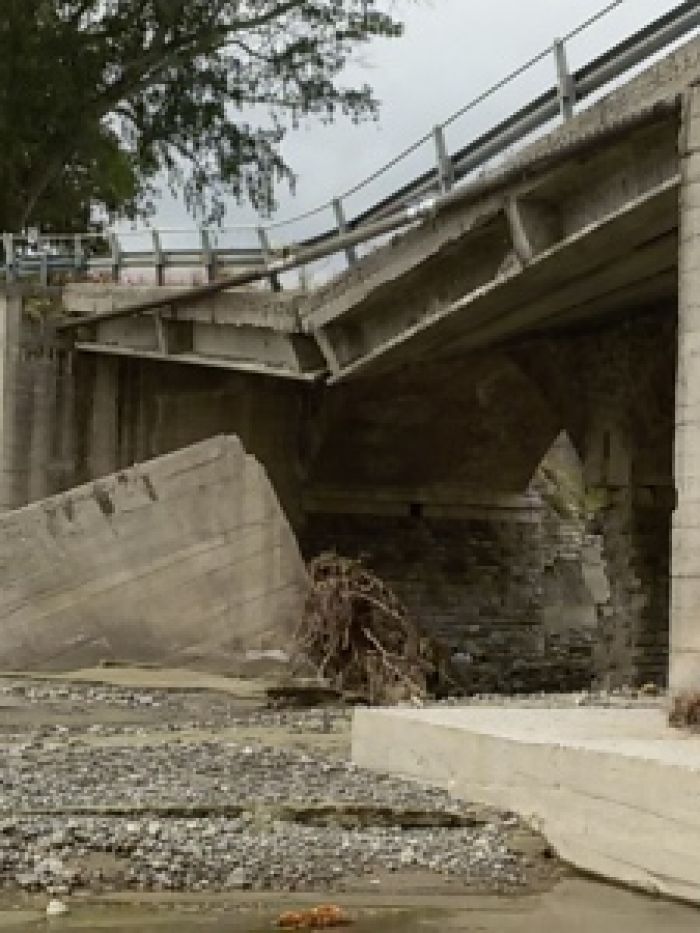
{"x": 196, "y": 815}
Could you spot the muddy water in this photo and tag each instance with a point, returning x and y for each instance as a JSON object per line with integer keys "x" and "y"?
{"x": 574, "y": 906}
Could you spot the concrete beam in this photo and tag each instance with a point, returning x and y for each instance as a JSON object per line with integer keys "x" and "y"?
{"x": 240, "y": 306}
{"x": 534, "y": 226}
{"x": 253, "y": 367}
{"x": 245, "y": 333}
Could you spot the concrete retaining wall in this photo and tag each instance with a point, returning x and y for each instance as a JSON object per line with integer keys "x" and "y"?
{"x": 37, "y": 425}
{"x": 187, "y": 559}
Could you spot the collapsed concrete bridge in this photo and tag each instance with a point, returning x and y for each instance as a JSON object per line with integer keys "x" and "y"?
{"x": 487, "y": 405}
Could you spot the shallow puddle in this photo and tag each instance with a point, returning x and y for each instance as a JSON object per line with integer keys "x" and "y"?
{"x": 574, "y": 906}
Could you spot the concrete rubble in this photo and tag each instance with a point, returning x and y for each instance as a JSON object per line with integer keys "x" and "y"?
{"x": 613, "y": 789}
{"x": 187, "y": 559}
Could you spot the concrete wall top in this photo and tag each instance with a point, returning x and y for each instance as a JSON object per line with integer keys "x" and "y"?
{"x": 254, "y": 307}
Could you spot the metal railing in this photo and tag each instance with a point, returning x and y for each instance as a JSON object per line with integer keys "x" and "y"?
{"x": 105, "y": 254}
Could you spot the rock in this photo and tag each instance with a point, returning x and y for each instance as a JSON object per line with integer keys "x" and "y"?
{"x": 56, "y": 908}
{"x": 237, "y": 880}
{"x": 196, "y": 814}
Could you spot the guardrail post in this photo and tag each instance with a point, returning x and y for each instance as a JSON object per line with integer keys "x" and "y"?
{"x": 43, "y": 261}
{"x": 8, "y": 244}
{"x": 78, "y": 253}
{"x": 565, "y": 82}
{"x": 267, "y": 258}
{"x": 158, "y": 257}
{"x": 208, "y": 254}
{"x": 350, "y": 251}
{"x": 116, "y": 254}
{"x": 445, "y": 169}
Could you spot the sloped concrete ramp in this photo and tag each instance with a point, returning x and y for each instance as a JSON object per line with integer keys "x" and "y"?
{"x": 184, "y": 560}
{"x": 614, "y": 790}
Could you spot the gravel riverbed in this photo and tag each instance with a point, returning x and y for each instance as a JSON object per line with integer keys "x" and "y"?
{"x": 112, "y": 788}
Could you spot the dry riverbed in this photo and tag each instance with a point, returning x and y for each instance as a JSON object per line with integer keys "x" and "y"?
{"x": 160, "y": 782}
{"x": 154, "y": 800}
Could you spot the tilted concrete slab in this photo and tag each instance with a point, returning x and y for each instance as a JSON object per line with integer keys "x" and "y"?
{"x": 614, "y": 790}
{"x": 185, "y": 560}
{"x": 592, "y": 236}
{"x": 583, "y": 220}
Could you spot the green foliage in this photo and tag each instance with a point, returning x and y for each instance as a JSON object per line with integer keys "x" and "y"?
{"x": 97, "y": 97}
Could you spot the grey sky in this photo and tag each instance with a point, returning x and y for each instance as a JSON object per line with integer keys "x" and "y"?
{"x": 452, "y": 51}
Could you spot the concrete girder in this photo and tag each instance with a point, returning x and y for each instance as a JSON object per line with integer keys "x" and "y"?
{"x": 534, "y": 226}
{"x": 577, "y": 275}
{"x": 243, "y": 332}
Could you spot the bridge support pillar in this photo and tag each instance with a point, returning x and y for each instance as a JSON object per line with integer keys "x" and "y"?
{"x": 685, "y": 565}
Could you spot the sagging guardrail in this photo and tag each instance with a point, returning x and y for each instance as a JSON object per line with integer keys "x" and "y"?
{"x": 105, "y": 255}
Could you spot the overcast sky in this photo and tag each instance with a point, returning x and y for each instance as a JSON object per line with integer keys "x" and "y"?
{"x": 452, "y": 50}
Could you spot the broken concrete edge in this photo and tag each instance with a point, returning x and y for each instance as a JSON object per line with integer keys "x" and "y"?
{"x": 615, "y": 803}
{"x": 186, "y": 560}
{"x": 211, "y": 450}
{"x": 526, "y": 168}
{"x": 528, "y": 165}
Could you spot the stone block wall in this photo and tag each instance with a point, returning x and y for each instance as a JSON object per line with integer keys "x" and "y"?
{"x": 507, "y": 597}
{"x": 543, "y": 604}
{"x": 632, "y": 644}
{"x": 558, "y": 599}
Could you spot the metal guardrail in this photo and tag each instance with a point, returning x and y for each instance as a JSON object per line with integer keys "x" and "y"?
{"x": 104, "y": 254}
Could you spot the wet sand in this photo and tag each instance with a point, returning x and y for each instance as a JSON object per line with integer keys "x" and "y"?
{"x": 573, "y": 906}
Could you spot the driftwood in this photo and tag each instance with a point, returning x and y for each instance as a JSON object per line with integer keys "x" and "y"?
{"x": 356, "y": 635}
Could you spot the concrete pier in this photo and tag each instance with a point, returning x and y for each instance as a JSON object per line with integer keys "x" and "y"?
{"x": 685, "y": 598}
